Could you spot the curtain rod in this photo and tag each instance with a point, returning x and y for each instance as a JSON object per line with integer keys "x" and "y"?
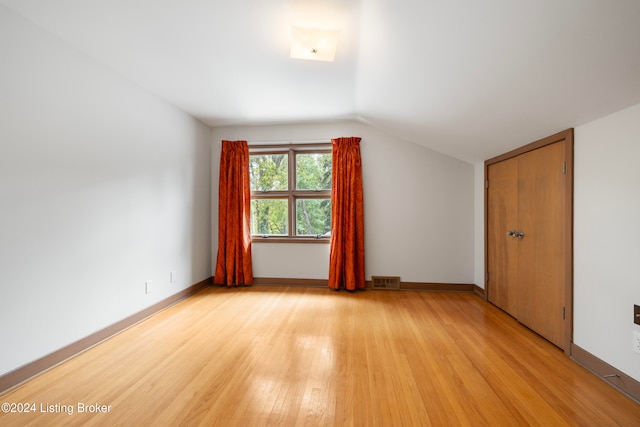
{"x": 291, "y": 142}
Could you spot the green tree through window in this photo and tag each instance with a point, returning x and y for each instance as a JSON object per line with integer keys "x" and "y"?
{"x": 291, "y": 191}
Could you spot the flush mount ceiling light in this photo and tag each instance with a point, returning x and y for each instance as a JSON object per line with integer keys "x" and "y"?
{"x": 313, "y": 43}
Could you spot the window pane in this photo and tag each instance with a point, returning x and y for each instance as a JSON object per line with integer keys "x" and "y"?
{"x": 270, "y": 217}
{"x": 313, "y": 217}
{"x": 269, "y": 172}
{"x": 313, "y": 171}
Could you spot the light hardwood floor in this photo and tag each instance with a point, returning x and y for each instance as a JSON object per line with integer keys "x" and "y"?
{"x": 306, "y": 356}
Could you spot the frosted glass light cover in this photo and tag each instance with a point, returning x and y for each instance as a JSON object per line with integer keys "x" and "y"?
{"x": 313, "y": 43}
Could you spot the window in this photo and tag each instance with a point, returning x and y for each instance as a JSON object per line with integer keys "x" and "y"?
{"x": 290, "y": 192}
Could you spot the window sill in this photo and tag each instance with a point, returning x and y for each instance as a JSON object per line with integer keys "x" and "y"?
{"x": 272, "y": 239}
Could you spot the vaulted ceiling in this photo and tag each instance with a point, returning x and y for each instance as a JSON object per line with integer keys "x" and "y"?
{"x": 468, "y": 78}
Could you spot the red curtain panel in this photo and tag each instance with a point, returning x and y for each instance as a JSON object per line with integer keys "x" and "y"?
{"x": 233, "y": 264}
{"x": 346, "y": 259}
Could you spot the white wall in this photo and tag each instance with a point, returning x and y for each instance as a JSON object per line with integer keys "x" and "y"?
{"x": 607, "y": 238}
{"x": 478, "y": 206}
{"x": 419, "y": 208}
{"x": 102, "y": 187}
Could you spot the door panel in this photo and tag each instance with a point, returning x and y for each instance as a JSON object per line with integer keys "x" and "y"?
{"x": 529, "y": 276}
{"x": 541, "y": 257}
{"x": 502, "y": 215}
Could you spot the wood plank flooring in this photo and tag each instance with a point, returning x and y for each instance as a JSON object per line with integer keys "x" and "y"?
{"x": 293, "y": 356}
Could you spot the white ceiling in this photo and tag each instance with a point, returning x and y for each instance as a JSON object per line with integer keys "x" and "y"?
{"x": 468, "y": 78}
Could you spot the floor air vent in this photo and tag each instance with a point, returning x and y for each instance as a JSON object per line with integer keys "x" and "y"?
{"x": 385, "y": 282}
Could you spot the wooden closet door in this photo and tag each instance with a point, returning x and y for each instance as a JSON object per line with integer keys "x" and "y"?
{"x": 529, "y": 276}
{"x": 541, "y": 251}
{"x": 502, "y": 216}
